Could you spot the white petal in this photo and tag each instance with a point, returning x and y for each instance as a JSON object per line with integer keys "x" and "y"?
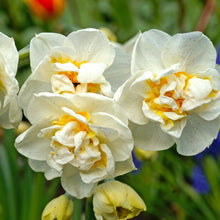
{"x": 11, "y": 115}
{"x": 61, "y": 84}
{"x": 121, "y": 144}
{"x": 46, "y": 105}
{"x": 151, "y": 114}
{"x": 91, "y": 72}
{"x": 147, "y": 51}
{"x": 175, "y": 130}
{"x": 42, "y": 44}
{"x": 151, "y": 137}
{"x": 129, "y": 45}
{"x": 92, "y": 103}
{"x": 197, "y": 135}
{"x": 9, "y": 51}
{"x": 210, "y": 111}
{"x": 140, "y": 86}
{"x": 173, "y": 115}
{"x": 130, "y": 102}
{"x": 192, "y": 103}
{"x": 123, "y": 167}
{"x": 92, "y": 45}
{"x": 42, "y": 166}
{"x": 106, "y": 89}
{"x": 65, "y": 136}
{"x": 96, "y": 174}
{"x": 30, "y": 145}
{"x": 199, "y": 88}
{"x": 194, "y": 51}
{"x": 63, "y": 155}
{"x": 30, "y": 87}
{"x": 73, "y": 184}
{"x": 74, "y": 114}
{"x": 213, "y": 75}
{"x": 165, "y": 100}
{"x": 120, "y": 70}
{"x": 65, "y": 67}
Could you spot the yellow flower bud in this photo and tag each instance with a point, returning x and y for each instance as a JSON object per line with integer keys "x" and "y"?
{"x": 116, "y": 200}
{"x": 111, "y": 36}
{"x": 143, "y": 155}
{"x": 60, "y": 208}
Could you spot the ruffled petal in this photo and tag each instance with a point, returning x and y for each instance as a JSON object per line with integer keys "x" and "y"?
{"x": 92, "y": 45}
{"x": 32, "y": 146}
{"x": 147, "y": 52}
{"x": 42, "y": 166}
{"x": 120, "y": 70}
{"x": 73, "y": 184}
{"x": 123, "y": 167}
{"x": 210, "y": 111}
{"x": 150, "y": 137}
{"x": 10, "y": 53}
{"x": 194, "y": 51}
{"x": 197, "y": 135}
{"x": 130, "y": 102}
{"x": 42, "y": 44}
{"x": 96, "y": 175}
{"x": 122, "y": 144}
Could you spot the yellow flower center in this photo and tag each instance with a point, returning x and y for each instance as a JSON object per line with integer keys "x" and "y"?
{"x": 178, "y": 94}
{"x": 72, "y": 75}
{"x": 89, "y": 139}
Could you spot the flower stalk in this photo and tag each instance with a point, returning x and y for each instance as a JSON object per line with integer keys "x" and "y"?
{"x": 24, "y": 56}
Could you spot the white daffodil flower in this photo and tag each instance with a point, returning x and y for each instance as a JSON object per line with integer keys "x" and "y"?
{"x": 84, "y": 61}
{"x": 10, "y": 114}
{"x": 173, "y": 93}
{"x": 82, "y": 138}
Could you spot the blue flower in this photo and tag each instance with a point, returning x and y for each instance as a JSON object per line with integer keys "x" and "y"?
{"x": 218, "y": 55}
{"x": 199, "y": 180}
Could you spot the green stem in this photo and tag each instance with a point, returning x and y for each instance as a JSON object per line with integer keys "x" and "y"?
{"x": 36, "y": 202}
{"x": 89, "y": 209}
{"x": 24, "y": 59}
{"x": 77, "y": 214}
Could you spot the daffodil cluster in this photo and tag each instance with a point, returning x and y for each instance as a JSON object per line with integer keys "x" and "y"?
{"x": 78, "y": 132}
{"x": 89, "y": 101}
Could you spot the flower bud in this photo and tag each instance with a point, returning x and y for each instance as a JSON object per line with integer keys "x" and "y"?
{"x": 143, "y": 155}
{"x": 116, "y": 200}
{"x": 46, "y": 9}
{"x": 60, "y": 208}
{"x": 111, "y": 36}
{"x": 22, "y": 127}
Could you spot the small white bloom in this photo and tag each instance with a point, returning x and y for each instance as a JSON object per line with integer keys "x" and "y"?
{"x": 10, "y": 114}
{"x": 79, "y": 138}
{"x": 173, "y": 94}
{"x": 84, "y": 61}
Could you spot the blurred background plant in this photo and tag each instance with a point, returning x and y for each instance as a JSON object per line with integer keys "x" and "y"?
{"x": 166, "y": 182}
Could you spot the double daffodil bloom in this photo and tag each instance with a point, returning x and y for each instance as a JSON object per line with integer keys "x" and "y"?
{"x": 60, "y": 208}
{"x": 83, "y": 62}
{"x": 10, "y": 114}
{"x": 114, "y": 200}
{"x": 83, "y": 139}
{"x": 173, "y": 94}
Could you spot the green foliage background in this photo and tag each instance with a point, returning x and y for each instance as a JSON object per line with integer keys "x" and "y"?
{"x": 164, "y": 183}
